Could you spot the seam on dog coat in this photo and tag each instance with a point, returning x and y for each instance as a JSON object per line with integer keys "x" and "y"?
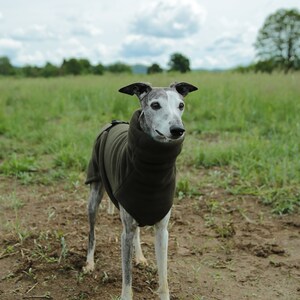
{"x": 137, "y": 171}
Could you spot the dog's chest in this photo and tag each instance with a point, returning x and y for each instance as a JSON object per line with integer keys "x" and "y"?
{"x": 139, "y": 181}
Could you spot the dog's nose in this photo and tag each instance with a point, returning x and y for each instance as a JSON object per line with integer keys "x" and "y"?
{"x": 177, "y": 131}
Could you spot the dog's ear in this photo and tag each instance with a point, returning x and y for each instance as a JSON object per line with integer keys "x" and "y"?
{"x": 183, "y": 88}
{"x": 140, "y": 89}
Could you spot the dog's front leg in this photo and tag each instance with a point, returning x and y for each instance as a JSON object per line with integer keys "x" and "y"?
{"x": 129, "y": 229}
{"x": 161, "y": 251}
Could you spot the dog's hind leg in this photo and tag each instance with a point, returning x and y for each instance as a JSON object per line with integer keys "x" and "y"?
{"x": 96, "y": 194}
{"x": 129, "y": 230}
{"x": 161, "y": 251}
{"x": 110, "y": 208}
{"x": 139, "y": 256}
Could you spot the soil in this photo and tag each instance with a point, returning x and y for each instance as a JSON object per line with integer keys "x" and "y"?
{"x": 221, "y": 246}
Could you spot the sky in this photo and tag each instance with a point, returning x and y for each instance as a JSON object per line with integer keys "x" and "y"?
{"x": 213, "y": 34}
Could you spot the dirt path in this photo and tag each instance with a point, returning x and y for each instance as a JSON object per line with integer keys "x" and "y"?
{"x": 221, "y": 247}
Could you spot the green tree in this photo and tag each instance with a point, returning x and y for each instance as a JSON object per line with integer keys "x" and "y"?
{"x": 5, "y": 66}
{"x": 98, "y": 69}
{"x": 154, "y": 68}
{"x": 266, "y": 66}
{"x": 86, "y": 67}
{"x": 31, "y": 71}
{"x": 279, "y": 40}
{"x": 119, "y": 67}
{"x": 50, "y": 70}
{"x": 71, "y": 67}
{"x": 179, "y": 62}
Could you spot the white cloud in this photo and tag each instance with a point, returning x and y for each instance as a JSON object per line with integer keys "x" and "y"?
{"x": 9, "y": 47}
{"x": 1, "y": 16}
{"x": 170, "y": 19}
{"x": 74, "y": 48}
{"x": 225, "y": 42}
{"x": 86, "y": 29}
{"x": 233, "y": 46}
{"x": 31, "y": 58}
{"x": 142, "y": 46}
{"x": 101, "y": 50}
{"x": 8, "y": 43}
{"x": 34, "y": 33}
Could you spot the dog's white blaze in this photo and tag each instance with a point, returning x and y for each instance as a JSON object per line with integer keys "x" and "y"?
{"x": 174, "y": 101}
{"x": 168, "y": 115}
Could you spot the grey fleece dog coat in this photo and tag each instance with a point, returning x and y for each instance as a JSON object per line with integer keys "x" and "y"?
{"x": 137, "y": 171}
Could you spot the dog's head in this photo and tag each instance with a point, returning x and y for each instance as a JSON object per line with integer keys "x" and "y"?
{"x": 162, "y": 109}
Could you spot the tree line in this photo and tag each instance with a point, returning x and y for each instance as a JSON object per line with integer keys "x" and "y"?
{"x": 73, "y": 66}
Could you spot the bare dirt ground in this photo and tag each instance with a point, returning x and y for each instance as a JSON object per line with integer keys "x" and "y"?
{"x": 221, "y": 247}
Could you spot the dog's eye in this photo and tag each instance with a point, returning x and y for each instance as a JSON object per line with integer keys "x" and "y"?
{"x": 155, "y": 105}
{"x": 181, "y": 106}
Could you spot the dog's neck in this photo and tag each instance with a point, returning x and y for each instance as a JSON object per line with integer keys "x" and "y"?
{"x": 144, "y": 126}
{"x": 148, "y": 149}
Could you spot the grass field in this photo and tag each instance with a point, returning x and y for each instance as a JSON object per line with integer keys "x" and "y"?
{"x": 239, "y": 169}
{"x": 244, "y": 129}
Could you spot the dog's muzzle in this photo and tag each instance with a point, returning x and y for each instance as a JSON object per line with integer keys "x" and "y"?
{"x": 176, "y": 131}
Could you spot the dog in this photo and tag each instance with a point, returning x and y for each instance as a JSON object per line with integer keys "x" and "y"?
{"x": 135, "y": 164}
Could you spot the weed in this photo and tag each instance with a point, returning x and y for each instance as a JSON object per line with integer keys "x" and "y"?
{"x": 225, "y": 230}
{"x": 209, "y": 220}
{"x": 43, "y": 249}
{"x": 51, "y": 212}
{"x": 64, "y": 249}
{"x": 213, "y": 206}
{"x": 9, "y": 249}
{"x": 70, "y": 158}
{"x": 8, "y": 276}
{"x": 184, "y": 189}
{"x": 81, "y": 296}
{"x": 217, "y": 277}
{"x": 80, "y": 276}
{"x": 115, "y": 298}
{"x": 105, "y": 278}
{"x": 213, "y": 156}
{"x": 284, "y": 206}
{"x": 11, "y": 201}
{"x": 17, "y": 229}
{"x": 30, "y": 273}
{"x": 17, "y": 165}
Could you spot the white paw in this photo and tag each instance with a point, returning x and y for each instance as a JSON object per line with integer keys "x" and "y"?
{"x": 88, "y": 268}
{"x": 164, "y": 295}
{"x": 126, "y": 294}
{"x": 141, "y": 260}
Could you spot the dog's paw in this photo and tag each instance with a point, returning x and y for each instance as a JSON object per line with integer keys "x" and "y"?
{"x": 141, "y": 260}
{"x": 164, "y": 296}
{"x": 163, "y": 293}
{"x": 88, "y": 268}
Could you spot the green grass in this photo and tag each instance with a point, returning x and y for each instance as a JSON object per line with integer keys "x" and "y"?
{"x": 244, "y": 126}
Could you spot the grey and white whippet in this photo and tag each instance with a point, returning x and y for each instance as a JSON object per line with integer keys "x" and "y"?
{"x": 160, "y": 119}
